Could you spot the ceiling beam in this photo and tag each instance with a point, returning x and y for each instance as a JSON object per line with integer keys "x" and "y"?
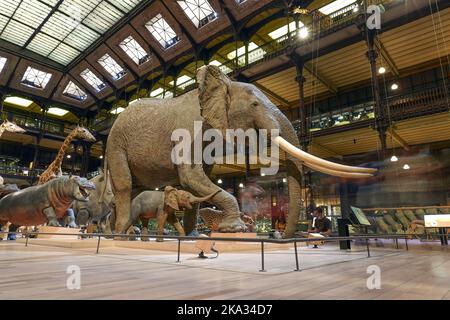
{"x": 314, "y": 71}
{"x": 386, "y": 57}
{"x": 315, "y": 145}
{"x": 397, "y": 138}
{"x": 283, "y": 102}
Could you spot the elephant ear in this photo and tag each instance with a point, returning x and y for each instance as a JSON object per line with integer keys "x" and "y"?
{"x": 214, "y": 96}
{"x": 170, "y": 197}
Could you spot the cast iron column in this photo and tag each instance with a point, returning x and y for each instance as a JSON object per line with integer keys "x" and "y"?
{"x": 303, "y": 114}
{"x": 381, "y": 123}
{"x": 85, "y": 159}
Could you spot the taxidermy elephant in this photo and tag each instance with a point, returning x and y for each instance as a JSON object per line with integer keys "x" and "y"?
{"x": 139, "y": 146}
{"x": 162, "y": 206}
{"x": 99, "y": 204}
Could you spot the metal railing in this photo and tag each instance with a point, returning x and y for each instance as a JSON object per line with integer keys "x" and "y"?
{"x": 262, "y": 242}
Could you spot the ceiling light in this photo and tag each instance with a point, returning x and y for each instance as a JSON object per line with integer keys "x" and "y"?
{"x": 263, "y": 174}
{"x": 394, "y": 86}
{"x": 406, "y": 166}
{"x": 303, "y": 34}
{"x": 284, "y": 180}
{"x": 117, "y": 110}
{"x": 19, "y": 101}
{"x": 219, "y": 181}
{"x": 157, "y": 189}
{"x": 241, "y": 185}
{"x": 394, "y": 158}
{"x": 382, "y": 70}
{"x": 69, "y": 156}
{"x": 356, "y": 9}
{"x": 57, "y": 112}
{"x": 101, "y": 157}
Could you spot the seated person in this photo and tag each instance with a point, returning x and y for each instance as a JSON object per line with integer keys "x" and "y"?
{"x": 321, "y": 224}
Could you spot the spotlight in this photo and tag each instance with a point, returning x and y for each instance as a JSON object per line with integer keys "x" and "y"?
{"x": 303, "y": 34}
{"x": 101, "y": 157}
{"x": 219, "y": 181}
{"x": 241, "y": 185}
{"x": 69, "y": 156}
{"x": 156, "y": 189}
{"x": 284, "y": 180}
{"x": 394, "y": 158}
{"x": 382, "y": 70}
{"x": 406, "y": 167}
{"x": 394, "y": 86}
{"x": 263, "y": 174}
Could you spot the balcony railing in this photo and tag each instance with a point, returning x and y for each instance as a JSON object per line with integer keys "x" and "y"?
{"x": 400, "y": 107}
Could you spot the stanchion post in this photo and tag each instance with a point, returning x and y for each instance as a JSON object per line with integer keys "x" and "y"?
{"x": 262, "y": 257}
{"x": 396, "y": 242}
{"x": 406, "y": 242}
{"x": 179, "y": 248}
{"x": 26, "y": 239}
{"x": 368, "y": 249}
{"x": 98, "y": 244}
{"x": 297, "y": 268}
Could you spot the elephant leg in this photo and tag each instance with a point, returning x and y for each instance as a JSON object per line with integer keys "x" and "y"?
{"x": 294, "y": 191}
{"x": 144, "y": 231}
{"x": 172, "y": 219}
{"x": 51, "y": 217}
{"x": 162, "y": 218}
{"x": 194, "y": 178}
{"x": 122, "y": 185}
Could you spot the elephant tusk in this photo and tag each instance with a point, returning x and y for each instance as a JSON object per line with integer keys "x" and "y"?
{"x": 342, "y": 174}
{"x": 316, "y": 161}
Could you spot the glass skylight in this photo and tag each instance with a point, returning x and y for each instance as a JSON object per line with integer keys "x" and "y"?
{"x": 335, "y": 6}
{"x": 282, "y": 31}
{"x": 134, "y": 50}
{"x": 18, "y": 101}
{"x": 93, "y": 80}
{"x": 200, "y": 12}
{"x": 112, "y": 67}
{"x": 36, "y": 78}
{"x": 2, "y": 63}
{"x": 74, "y": 91}
{"x": 57, "y": 112}
{"x": 65, "y": 28}
{"x": 162, "y": 31}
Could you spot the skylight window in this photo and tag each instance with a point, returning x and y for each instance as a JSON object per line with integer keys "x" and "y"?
{"x": 19, "y": 101}
{"x": 74, "y": 91}
{"x": 282, "y": 31}
{"x": 93, "y": 80}
{"x": 134, "y": 50}
{"x": 36, "y": 78}
{"x": 335, "y": 6}
{"x": 112, "y": 67}
{"x": 2, "y": 63}
{"x": 200, "y": 12}
{"x": 57, "y": 112}
{"x": 162, "y": 31}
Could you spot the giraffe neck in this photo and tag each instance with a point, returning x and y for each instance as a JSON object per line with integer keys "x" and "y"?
{"x": 2, "y": 129}
{"x": 56, "y": 164}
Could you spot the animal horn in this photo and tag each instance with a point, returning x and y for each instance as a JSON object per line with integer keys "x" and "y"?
{"x": 320, "y": 164}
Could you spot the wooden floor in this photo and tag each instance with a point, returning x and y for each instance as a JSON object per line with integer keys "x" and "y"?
{"x": 39, "y": 272}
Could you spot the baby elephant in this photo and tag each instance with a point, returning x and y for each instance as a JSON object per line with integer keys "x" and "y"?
{"x": 162, "y": 205}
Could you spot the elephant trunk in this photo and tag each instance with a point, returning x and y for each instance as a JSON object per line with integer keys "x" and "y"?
{"x": 195, "y": 199}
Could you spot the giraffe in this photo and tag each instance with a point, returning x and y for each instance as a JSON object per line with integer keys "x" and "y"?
{"x": 11, "y": 127}
{"x": 54, "y": 169}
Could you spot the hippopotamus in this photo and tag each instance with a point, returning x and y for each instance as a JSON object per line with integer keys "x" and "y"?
{"x": 44, "y": 203}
